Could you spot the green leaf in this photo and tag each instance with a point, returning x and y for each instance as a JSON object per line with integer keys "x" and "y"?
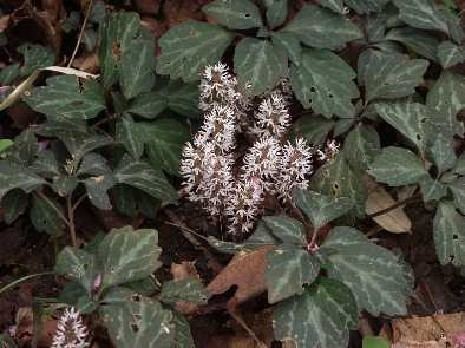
{"x": 432, "y": 189}
{"x": 259, "y": 64}
{"x": 7, "y": 342}
{"x": 137, "y": 70}
{"x": 188, "y": 47}
{"x": 183, "y": 337}
{"x": 77, "y": 264}
{"x": 423, "y": 14}
{"x": 63, "y": 97}
{"x": 362, "y": 144}
{"x": 14, "y": 204}
{"x": 46, "y": 165}
{"x": 410, "y": 119}
{"x": 8, "y": 74}
{"x": 276, "y": 12}
{"x": 93, "y": 164}
{"x": 336, "y": 179}
{"x": 449, "y": 235}
{"x": 234, "y": 14}
{"x": 78, "y": 146}
{"x": 319, "y": 318}
{"x": 290, "y": 43}
{"x": 445, "y": 98}
{"x": 129, "y": 133}
{"x": 148, "y": 105}
{"x": 442, "y": 152}
{"x": 321, "y": 209}
{"x": 164, "y": 140}
{"x": 139, "y": 324}
{"x": 35, "y": 57}
{"x": 450, "y": 54}
{"x": 389, "y": 75}
{"x": 188, "y": 289}
{"x": 117, "y": 36}
{"x": 335, "y": 5}
{"x": 324, "y": 82}
{"x": 314, "y": 128}
{"x": 366, "y": 6}
{"x": 418, "y": 41}
{"x": 5, "y": 144}
{"x": 318, "y": 27}
{"x": 288, "y": 231}
{"x": 397, "y": 166}
{"x": 128, "y": 255}
{"x": 97, "y": 187}
{"x": 375, "y": 342}
{"x": 380, "y": 282}
{"x": 458, "y": 191}
{"x": 64, "y": 185}
{"x": 45, "y": 217}
{"x": 287, "y": 270}
{"x": 16, "y": 177}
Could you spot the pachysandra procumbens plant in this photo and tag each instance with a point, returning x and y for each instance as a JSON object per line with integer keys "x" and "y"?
{"x": 230, "y": 179}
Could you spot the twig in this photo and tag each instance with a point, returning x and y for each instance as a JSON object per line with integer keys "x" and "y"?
{"x": 81, "y": 33}
{"x": 72, "y": 229}
{"x": 23, "y": 279}
{"x": 79, "y": 201}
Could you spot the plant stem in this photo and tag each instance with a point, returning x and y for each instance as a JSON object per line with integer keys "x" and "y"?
{"x": 72, "y": 229}
{"x": 81, "y": 33}
{"x": 23, "y": 279}
{"x": 50, "y": 203}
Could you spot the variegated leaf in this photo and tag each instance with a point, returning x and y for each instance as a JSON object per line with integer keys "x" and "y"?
{"x": 321, "y": 209}
{"x": 78, "y": 265}
{"x": 139, "y": 324}
{"x": 397, "y": 166}
{"x": 442, "y": 153}
{"x": 432, "y": 189}
{"x": 128, "y": 255}
{"x": 14, "y": 204}
{"x": 379, "y": 280}
{"x": 419, "y": 41}
{"x": 259, "y": 64}
{"x": 324, "y": 82}
{"x": 16, "y": 177}
{"x": 188, "y": 289}
{"x": 450, "y": 54}
{"x": 335, "y": 5}
{"x": 449, "y": 234}
{"x": 188, "y": 47}
{"x": 389, "y": 75}
{"x": 366, "y": 6}
{"x": 129, "y": 133}
{"x": 423, "y": 14}
{"x": 446, "y": 99}
{"x": 362, "y": 144}
{"x": 315, "y": 128}
{"x": 276, "y": 12}
{"x": 413, "y": 120}
{"x": 319, "y": 27}
{"x": 142, "y": 176}
{"x": 287, "y": 271}
{"x": 458, "y": 191}
{"x": 319, "y": 318}
{"x": 290, "y": 43}
{"x": 234, "y": 14}
{"x": 285, "y": 229}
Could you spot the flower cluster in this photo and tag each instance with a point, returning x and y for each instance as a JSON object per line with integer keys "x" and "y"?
{"x": 71, "y": 332}
{"x": 271, "y": 166}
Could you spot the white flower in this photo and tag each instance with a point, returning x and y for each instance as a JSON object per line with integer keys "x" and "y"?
{"x": 296, "y": 167}
{"x": 219, "y": 126}
{"x": 272, "y": 119}
{"x": 263, "y": 158}
{"x": 70, "y": 332}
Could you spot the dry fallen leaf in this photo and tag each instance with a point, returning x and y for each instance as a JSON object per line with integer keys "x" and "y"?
{"x": 395, "y": 220}
{"x": 437, "y": 331}
{"x": 246, "y": 271}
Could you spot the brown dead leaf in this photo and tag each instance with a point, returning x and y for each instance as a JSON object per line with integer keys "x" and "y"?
{"x": 183, "y": 270}
{"x": 147, "y": 6}
{"x": 246, "y": 271}
{"x": 437, "y": 331}
{"x": 4, "y": 21}
{"x": 232, "y": 341}
{"x": 87, "y": 62}
{"x": 395, "y": 220}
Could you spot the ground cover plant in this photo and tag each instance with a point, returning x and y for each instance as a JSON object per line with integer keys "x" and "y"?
{"x": 232, "y": 173}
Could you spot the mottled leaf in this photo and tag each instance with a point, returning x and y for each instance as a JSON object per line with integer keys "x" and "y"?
{"x": 128, "y": 255}
{"x": 442, "y": 153}
{"x": 234, "y": 14}
{"x": 63, "y": 97}
{"x": 397, "y": 166}
{"x": 450, "y": 54}
{"x": 366, "y": 6}
{"x": 188, "y": 289}
{"x": 379, "y": 280}
{"x": 276, "y": 12}
{"x": 362, "y": 144}
{"x": 449, "y": 235}
{"x": 78, "y": 265}
{"x": 188, "y": 47}
{"x": 446, "y": 99}
{"x": 423, "y": 14}
{"x": 285, "y": 229}
{"x": 322, "y": 28}
{"x": 16, "y": 177}
{"x": 259, "y": 64}
{"x": 290, "y": 43}
{"x": 321, "y": 209}
{"x": 129, "y": 133}
{"x": 287, "y": 271}
{"x": 96, "y": 188}
{"x": 35, "y": 57}
{"x": 314, "y": 128}
{"x": 432, "y": 189}
{"x": 458, "y": 192}
{"x": 418, "y": 41}
{"x": 389, "y": 75}
{"x": 45, "y": 217}
{"x": 324, "y": 82}
{"x": 335, "y": 5}
{"x": 139, "y": 324}
{"x": 14, "y": 204}
{"x": 319, "y": 318}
